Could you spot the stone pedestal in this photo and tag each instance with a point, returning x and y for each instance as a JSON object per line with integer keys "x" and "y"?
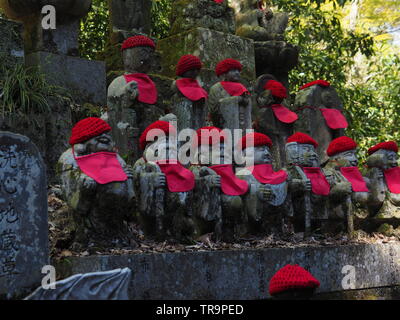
{"x": 211, "y": 47}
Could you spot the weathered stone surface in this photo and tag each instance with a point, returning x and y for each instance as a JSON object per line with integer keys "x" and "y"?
{"x": 211, "y": 47}
{"x": 244, "y": 274}
{"x": 85, "y": 80}
{"x": 11, "y": 46}
{"x": 106, "y": 285}
{"x": 23, "y": 215}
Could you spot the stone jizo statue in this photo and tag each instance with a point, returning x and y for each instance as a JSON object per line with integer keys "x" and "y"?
{"x": 266, "y": 204}
{"x": 189, "y": 100}
{"x": 132, "y": 97}
{"x": 97, "y": 185}
{"x": 229, "y": 103}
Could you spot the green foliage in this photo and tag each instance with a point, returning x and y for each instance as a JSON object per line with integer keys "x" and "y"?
{"x": 159, "y": 18}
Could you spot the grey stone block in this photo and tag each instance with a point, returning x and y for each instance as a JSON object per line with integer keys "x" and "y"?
{"x": 11, "y": 45}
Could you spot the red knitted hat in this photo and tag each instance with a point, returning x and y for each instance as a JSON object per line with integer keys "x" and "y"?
{"x": 388, "y": 145}
{"x": 291, "y": 277}
{"x": 277, "y": 89}
{"x": 87, "y": 129}
{"x": 228, "y": 64}
{"x": 321, "y": 83}
{"x": 259, "y": 140}
{"x": 186, "y": 63}
{"x": 218, "y": 1}
{"x": 147, "y": 136}
{"x": 340, "y": 144}
{"x": 203, "y": 139}
{"x": 138, "y": 41}
{"x": 302, "y": 138}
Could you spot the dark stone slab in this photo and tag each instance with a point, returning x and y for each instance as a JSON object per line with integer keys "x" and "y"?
{"x": 84, "y": 79}
{"x": 23, "y": 216}
{"x": 243, "y": 274}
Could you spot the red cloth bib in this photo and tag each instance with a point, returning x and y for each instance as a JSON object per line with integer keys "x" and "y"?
{"x": 392, "y": 177}
{"x": 353, "y": 175}
{"x": 218, "y": 1}
{"x": 191, "y": 89}
{"x": 283, "y": 114}
{"x": 103, "y": 167}
{"x": 230, "y": 184}
{"x": 334, "y": 118}
{"x": 146, "y": 86}
{"x": 179, "y": 179}
{"x": 235, "y": 89}
{"x": 265, "y": 174}
{"x": 319, "y": 183}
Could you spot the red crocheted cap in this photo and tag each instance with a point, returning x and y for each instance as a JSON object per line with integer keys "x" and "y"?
{"x": 302, "y": 138}
{"x": 147, "y": 136}
{"x": 228, "y": 64}
{"x": 259, "y": 140}
{"x": 138, "y": 41}
{"x": 321, "y": 83}
{"x": 203, "y": 138}
{"x": 186, "y": 63}
{"x": 218, "y": 1}
{"x": 277, "y": 89}
{"x": 292, "y": 277}
{"x": 87, "y": 129}
{"x": 388, "y": 145}
{"x": 340, "y": 144}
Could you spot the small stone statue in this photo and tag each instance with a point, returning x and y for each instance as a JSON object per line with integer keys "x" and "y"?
{"x": 349, "y": 196}
{"x": 229, "y": 103}
{"x": 132, "y": 97}
{"x": 266, "y": 204}
{"x": 163, "y": 186}
{"x": 97, "y": 185}
{"x": 189, "y": 100}
{"x": 274, "y": 118}
{"x": 218, "y": 191}
{"x": 210, "y": 14}
{"x": 255, "y": 20}
{"x": 384, "y": 174}
{"x": 320, "y": 114}
{"x": 308, "y": 186}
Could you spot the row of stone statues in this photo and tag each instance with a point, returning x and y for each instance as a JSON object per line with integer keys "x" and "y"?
{"x": 172, "y": 201}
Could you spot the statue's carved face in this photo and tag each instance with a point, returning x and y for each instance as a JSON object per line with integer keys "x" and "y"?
{"x": 163, "y": 148}
{"x": 327, "y": 97}
{"x": 302, "y": 154}
{"x": 346, "y": 158}
{"x": 260, "y": 155}
{"x": 389, "y": 158}
{"x": 138, "y": 59}
{"x": 191, "y": 74}
{"x": 232, "y": 75}
{"x": 100, "y": 143}
{"x": 214, "y": 155}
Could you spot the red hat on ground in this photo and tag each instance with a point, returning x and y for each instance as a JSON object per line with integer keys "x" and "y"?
{"x": 206, "y": 139}
{"x": 186, "y": 63}
{"x": 321, "y": 83}
{"x": 302, "y": 138}
{"x": 259, "y": 140}
{"x": 228, "y": 64}
{"x": 87, "y": 129}
{"x": 388, "y": 145}
{"x": 147, "y": 137}
{"x": 292, "y": 277}
{"x": 277, "y": 89}
{"x": 138, "y": 41}
{"x": 341, "y": 144}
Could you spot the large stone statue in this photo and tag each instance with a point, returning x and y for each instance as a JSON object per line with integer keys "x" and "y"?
{"x": 163, "y": 186}
{"x": 132, "y": 97}
{"x": 266, "y": 204}
{"x": 210, "y": 14}
{"x": 320, "y": 114}
{"x": 349, "y": 194}
{"x": 218, "y": 191}
{"x": 308, "y": 187}
{"x": 273, "y": 117}
{"x": 384, "y": 174}
{"x": 97, "y": 185}
{"x": 189, "y": 100}
{"x": 229, "y": 103}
